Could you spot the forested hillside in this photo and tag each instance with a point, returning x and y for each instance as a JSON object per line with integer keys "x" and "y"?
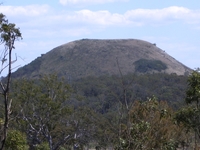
{"x": 109, "y": 112}
{"x": 105, "y": 90}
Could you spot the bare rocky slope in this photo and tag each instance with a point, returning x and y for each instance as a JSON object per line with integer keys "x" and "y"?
{"x": 93, "y": 57}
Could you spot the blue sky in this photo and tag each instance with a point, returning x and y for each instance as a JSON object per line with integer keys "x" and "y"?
{"x": 174, "y": 25}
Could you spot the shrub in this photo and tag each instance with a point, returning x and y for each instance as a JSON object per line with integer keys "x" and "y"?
{"x": 16, "y": 140}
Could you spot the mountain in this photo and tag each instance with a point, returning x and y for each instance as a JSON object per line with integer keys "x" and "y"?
{"x": 94, "y": 57}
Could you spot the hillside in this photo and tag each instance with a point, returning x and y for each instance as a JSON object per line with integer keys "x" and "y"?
{"x": 92, "y": 57}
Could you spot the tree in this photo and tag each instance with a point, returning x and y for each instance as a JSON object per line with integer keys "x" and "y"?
{"x": 9, "y": 34}
{"x": 189, "y": 116}
{"x": 151, "y": 127}
{"x": 85, "y": 123}
{"x": 42, "y": 111}
{"x": 193, "y": 91}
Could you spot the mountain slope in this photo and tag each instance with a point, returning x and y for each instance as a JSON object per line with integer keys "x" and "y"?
{"x": 91, "y": 57}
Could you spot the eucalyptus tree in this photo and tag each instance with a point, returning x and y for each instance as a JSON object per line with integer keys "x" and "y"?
{"x": 9, "y": 34}
{"x": 189, "y": 115}
{"x": 42, "y": 111}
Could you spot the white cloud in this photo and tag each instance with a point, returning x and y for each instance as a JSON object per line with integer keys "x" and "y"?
{"x": 137, "y": 17}
{"x": 42, "y": 21}
{"x": 30, "y": 10}
{"x": 165, "y": 15}
{"x": 99, "y": 17}
{"x": 66, "y": 2}
{"x": 44, "y": 16}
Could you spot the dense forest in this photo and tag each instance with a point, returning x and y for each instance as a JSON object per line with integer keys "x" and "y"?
{"x": 109, "y": 112}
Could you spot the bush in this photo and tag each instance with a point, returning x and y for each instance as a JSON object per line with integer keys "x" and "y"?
{"x": 16, "y": 140}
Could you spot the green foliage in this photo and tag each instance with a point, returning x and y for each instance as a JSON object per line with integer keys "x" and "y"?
{"x": 145, "y": 65}
{"x": 151, "y": 126}
{"x": 43, "y": 146}
{"x": 42, "y": 111}
{"x": 96, "y": 118}
{"x": 193, "y": 91}
{"x": 170, "y": 145}
{"x": 16, "y": 140}
{"x": 101, "y": 93}
{"x": 138, "y": 134}
{"x": 189, "y": 116}
{"x": 9, "y": 32}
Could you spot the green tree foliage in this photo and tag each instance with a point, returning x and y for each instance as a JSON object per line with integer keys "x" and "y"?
{"x": 83, "y": 126}
{"x": 42, "y": 110}
{"x": 151, "y": 127}
{"x": 193, "y": 91}
{"x": 189, "y": 115}
{"x": 108, "y": 114}
{"x": 101, "y": 93}
{"x": 16, "y": 140}
{"x": 113, "y": 98}
{"x": 42, "y": 146}
{"x": 46, "y": 113}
